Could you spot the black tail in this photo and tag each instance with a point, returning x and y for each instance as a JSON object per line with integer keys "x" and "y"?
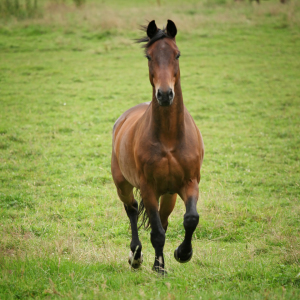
{"x": 142, "y": 214}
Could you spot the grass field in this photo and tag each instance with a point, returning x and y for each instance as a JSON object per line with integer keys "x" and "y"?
{"x": 66, "y": 76}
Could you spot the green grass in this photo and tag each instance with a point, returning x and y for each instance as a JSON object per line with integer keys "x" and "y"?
{"x": 63, "y": 83}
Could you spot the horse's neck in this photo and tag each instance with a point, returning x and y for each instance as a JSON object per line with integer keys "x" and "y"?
{"x": 168, "y": 122}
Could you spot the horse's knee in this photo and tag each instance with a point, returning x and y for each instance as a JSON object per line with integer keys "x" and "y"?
{"x": 191, "y": 221}
{"x": 132, "y": 210}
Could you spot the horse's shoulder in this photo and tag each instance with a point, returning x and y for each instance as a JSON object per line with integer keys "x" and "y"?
{"x": 193, "y": 128}
{"x": 130, "y": 112}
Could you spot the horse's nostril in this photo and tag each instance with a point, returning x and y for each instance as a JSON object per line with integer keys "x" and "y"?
{"x": 165, "y": 98}
{"x": 170, "y": 94}
{"x": 159, "y": 94}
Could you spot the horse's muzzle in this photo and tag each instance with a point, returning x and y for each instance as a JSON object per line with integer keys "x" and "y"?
{"x": 165, "y": 98}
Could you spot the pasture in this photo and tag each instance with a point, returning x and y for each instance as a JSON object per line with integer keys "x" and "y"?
{"x": 66, "y": 76}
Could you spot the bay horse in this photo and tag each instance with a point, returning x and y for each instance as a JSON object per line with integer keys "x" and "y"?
{"x": 158, "y": 149}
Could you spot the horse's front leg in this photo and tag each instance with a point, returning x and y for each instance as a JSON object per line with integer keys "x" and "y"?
{"x": 150, "y": 201}
{"x": 189, "y": 195}
{"x": 135, "y": 255}
{"x": 125, "y": 193}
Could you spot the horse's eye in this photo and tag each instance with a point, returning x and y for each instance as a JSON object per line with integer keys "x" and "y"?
{"x": 148, "y": 57}
{"x": 177, "y": 56}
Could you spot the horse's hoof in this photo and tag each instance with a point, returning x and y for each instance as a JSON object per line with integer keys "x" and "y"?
{"x": 160, "y": 270}
{"x": 135, "y": 263}
{"x": 187, "y": 259}
{"x": 158, "y": 266}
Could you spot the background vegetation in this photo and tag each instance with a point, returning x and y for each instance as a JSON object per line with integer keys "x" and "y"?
{"x": 68, "y": 72}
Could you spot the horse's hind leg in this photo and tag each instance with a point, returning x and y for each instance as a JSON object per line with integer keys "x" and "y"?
{"x": 125, "y": 193}
{"x": 190, "y": 193}
{"x": 167, "y": 204}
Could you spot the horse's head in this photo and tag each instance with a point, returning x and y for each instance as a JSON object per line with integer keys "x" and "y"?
{"x": 162, "y": 54}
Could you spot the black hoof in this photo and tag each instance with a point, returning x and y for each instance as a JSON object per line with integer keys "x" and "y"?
{"x": 160, "y": 270}
{"x": 135, "y": 263}
{"x": 184, "y": 259}
{"x": 159, "y": 266}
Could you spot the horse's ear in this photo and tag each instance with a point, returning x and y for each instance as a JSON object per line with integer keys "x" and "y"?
{"x": 171, "y": 29}
{"x": 151, "y": 29}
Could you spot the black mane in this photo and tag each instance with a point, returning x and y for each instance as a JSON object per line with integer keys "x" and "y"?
{"x": 160, "y": 34}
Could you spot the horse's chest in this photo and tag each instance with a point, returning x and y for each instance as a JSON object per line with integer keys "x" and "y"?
{"x": 168, "y": 165}
{"x": 166, "y": 171}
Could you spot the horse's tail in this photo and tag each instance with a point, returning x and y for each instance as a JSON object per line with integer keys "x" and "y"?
{"x": 142, "y": 214}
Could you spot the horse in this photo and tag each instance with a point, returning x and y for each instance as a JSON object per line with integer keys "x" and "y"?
{"x": 158, "y": 149}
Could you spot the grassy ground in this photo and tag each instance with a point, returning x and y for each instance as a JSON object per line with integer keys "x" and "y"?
{"x": 67, "y": 76}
